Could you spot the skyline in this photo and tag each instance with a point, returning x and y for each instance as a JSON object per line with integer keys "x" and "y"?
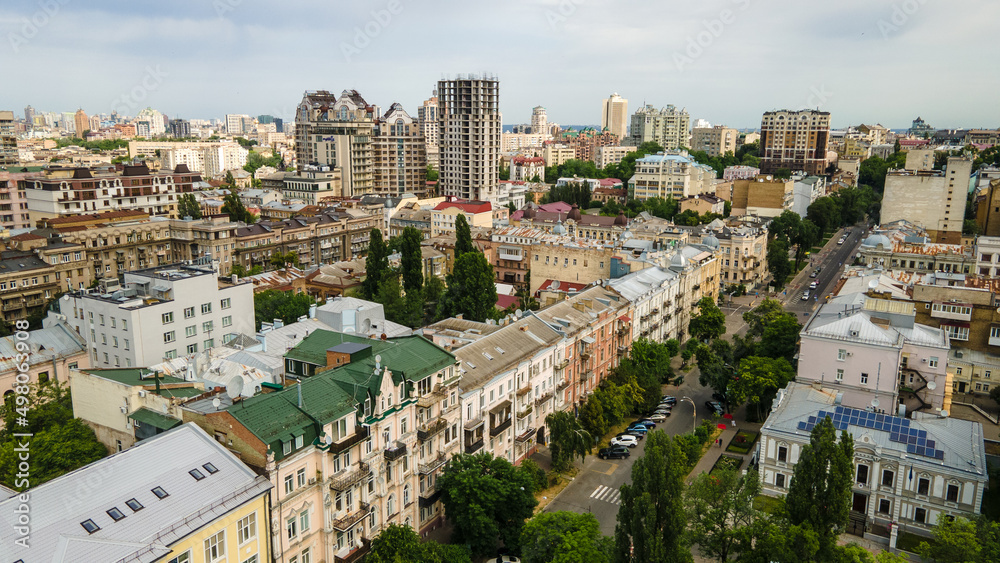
{"x": 565, "y": 55}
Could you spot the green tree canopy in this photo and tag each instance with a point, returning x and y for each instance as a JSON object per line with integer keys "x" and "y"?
{"x": 710, "y": 322}
{"x": 486, "y": 499}
{"x": 187, "y": 206}
{"x": 721, "y": 517}
{"x": 233, "y": 206}
{"x": 411, "y": 261}
{"x": 757, "y": 377}
{"x": 777, "y": 262}
{"x": 401, "y": 544}
{"x": 432, "y": 173}
{"x": 285, "y": 305}
{"x": 463, "y": 236}
{"x": 564, "y": 537}
{"x": 472, "y": 288}
{"x": 567, "y": 439}
{"x": 573, "y": 192}
{"x": 376, "y": 264}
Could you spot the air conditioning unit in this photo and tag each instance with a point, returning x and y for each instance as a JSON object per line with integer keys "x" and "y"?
{"x": 923, "y": 360}
{"x": 142, "y": 393}
{"x": 312, "y": 481}
{"x": 124, "y": 410}
{"x": 850, "y": 353}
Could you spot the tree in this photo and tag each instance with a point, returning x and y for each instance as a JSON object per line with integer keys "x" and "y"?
{"x": 485, "y": 499}
{"x": 715, "y": 365}
{"x": 780, "y": 336}
{"x": 819, "y": 496}
{"x": 432, "y": 174}
{"x": 824, "y": 213}
{"x": 401, "y": 544}
{"x": 285, "y": 305}
{"x": 463, "y": 236}
{"x": 233, "y": 206}
{"x": 777, "y": 262}
{"x": 709, "y": 323}
{"x": 567, "y": 439}
{"x": 804, "y": 238}
{"x": 376, "y": 264}
{"x": 592, "y": 417}
{"x": 720, "y": 513}
{"x": 757, "y": 377}
{"x": 564, "y": 537}
{"x": 412, "y": 261}
{"x": 405, "y": 310}
{"x": 433, "y": 291}
{"x": 955, "y": 541}
{"x": 651, "y": 518}
{"x": 229, "y": 180}
{"x": 187, "y": 206}
{"x": 471, "y": 288}
{"x": 283, "y": 260}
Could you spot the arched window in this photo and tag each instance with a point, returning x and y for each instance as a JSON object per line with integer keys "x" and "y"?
{"x": 342, "y": 114}
{"x": 406, "y": 495}
{"x": 390, "y": 506}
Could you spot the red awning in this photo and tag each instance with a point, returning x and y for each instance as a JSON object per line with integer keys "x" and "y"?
{"x": 624, "y": 318}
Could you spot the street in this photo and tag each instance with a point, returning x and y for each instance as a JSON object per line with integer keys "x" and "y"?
{"x": 832, "y": 260}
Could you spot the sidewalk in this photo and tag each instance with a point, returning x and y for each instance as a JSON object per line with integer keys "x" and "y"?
{"x": 713, "y": 453}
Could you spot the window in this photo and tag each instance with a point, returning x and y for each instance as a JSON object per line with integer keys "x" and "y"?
{"x": 135, "y": 505}
{"x": 779, "y": 481}
{"x": 933, "y": 362}
{"x": 782, "y": 453}
{"x": 210, "y": 468}
{"x": 182, "y": 558}
{"x": 956, "y": 332}
{"x": 952, "y": 493}
{"x": 251, "y": 559}
{"x": 167, "y": 318}
{"x": 304, "y": 521}
{"x": 289, "y": 484}
{"x": 923, "y": 485}
{"x": 207, "y": 326}
{"x": 226, "y": 303}
{"x": 884, "y": 506}
{"x": 102, "y": 320}
{"x": 124, "y": 324}
{"x": 864, "y": 378}
{"x": 117, "y": 515}
{"x": 208, "y": 344}
{"x": 190, "y": 331}
{"x": 215, "y": 547}
{"x": 862, "y": 475}
{"x": 160, "y": 493}
{"x": 390, "y": 506}
{"x": 246, "y": 530}
{"x": 227, "y": 321}
{"x": 189, "y": 312}
{"x": 298, "y": 441}
{"x": 171, "y": 354}
{"x": 920, "y": 515}
{"x": 841, "y": 355}
{"x": 840, "y": 375}
{"x": 206, "y": 308}
{"x": 90, "y": 526}
{"x": 286, "y": 447}
{"x": 291, "y": 528}
{"x": 406, "y": 495}
{"x": 888, "y": 478}
{"x": 306, "y": 556}
{"x": 169, "y": 337}
{"x": 192, "y": 349}
{"x": 198, "y": 475}
{"x": 301, "y": 477}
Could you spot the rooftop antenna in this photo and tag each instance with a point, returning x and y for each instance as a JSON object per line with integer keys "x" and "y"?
{"x": 234, "y": 387}
{"x": 216, "y": 403}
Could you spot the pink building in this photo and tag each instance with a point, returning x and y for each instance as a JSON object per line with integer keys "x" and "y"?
{"x": 740, "y": 173}
{"x": 13, "y": 201}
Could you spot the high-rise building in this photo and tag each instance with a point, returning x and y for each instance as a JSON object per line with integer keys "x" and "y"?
{"x": 614, "y": 115}
{"x": 427, "y": 117}
{"x": 236, "y": 123}
{"x": 95, "y": 122}
{"x": 932, "y": 199}
{"x": 337, "y": 132}
{"x": 716, "y": 141}
{"x": 796, "y": 140}
{"x": 180, "y": 128}
{"x": 400, "y": 154}
{"x": 469, "y": 137}
{"x": 277, "y": 121}
{"x": 668, "y": 127}
{"x": 156, "y": 125}
{"x": 539, "y": 121}
{"x": 81, "y": 122}
{"x": 8, "y": 139}
{"x": 29, "y": 115}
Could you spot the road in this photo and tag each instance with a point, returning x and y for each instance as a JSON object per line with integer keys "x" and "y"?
{"x": 596, "y": 487}
{"x": 832, "y": 260}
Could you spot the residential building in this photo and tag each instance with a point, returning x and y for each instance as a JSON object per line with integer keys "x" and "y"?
{"x": 526, "y": 143}
{"x": 400, "y": 154}
{"x": 411, "y": 215}
{"x": 526, "y": 168}
{"x": 210, "y": 158}
{"x": 572, "y": 223}
{"x": 740, "y": 172}
{"x": 764, "y": 196}
{"x": 13, "y": 201}
{"x": 904, "y": 247}
{"x": 917, "y": 196}
{"x": 611, "y": 154}
{"x": 34, "y": 271}
{"x": 668, "y": 127}
{"x": 237, "y": 124}
{"x": 159, "y": 313}
{"x": 444, "y": 215}
{"x": 259, "y": 197}
{"x": 671, "y": 174}
{"x": 8, "y": 139}
{"x": 715, "y": 141}
{"x": 587, "y": 141}
{"x": 796, "y": 140}
{"x": 469, "y": 137}
{"x": 167, "y": 499}
{"x": 742, "y": 251}
{"x": 338, "y": 132}
{"x": 556, "y": 154}
{"x": 313, "y": 184}
{"x": 652, "y": 295}
{"x": 180, "y": 128}
{"x": 330, "y": 236}
{"x": 874, "y": 134}
{"x": 81, "y": 122}
{"x": 52, "y": 352}
{"x": 987, "y": 210}
{"x": 58, "y": 192}
{"x": 427, "y": 119}
{"x": 702, "y": 204}
{"x": 539, "y": 121}
{"x": 614, "y": 115}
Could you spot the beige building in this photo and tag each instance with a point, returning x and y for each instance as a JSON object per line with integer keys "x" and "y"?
{"x": 932, "y": 199}
{"x": 427, "y": 118}
{"x": 338, "y": 133}
{"x": 668, "y": 127}
{"x": 614, "y": 116}
{"x": 673, "y": 174}
{"x": 400, "y": 154}
{"x": 555, "y": 155}
{"x": 611, "y": 155}
{"x": 312, "y": 184}
{"x": 444, "y": 215}
{"x": 82, "y": 123}
{"x": 8, "y": 139}
{"x": 796, "y": 140}
{"x": 764, "y": 196}
{"x": 53, "y": 352}
{"x": 703, "y": 204}
{"x": 716, "y": 141}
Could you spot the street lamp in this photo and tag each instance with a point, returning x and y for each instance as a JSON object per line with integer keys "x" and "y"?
{"x": 694, "y": 413}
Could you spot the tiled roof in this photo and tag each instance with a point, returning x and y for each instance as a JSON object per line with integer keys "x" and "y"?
{"x": 467, "y": 206}
{"x": 45, "y": 344}
{"x": 557, "y": 285}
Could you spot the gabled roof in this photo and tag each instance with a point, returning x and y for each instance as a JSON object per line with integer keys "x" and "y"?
{"x": 466, "y": 206}
{"x": 45, "y": 344}
{"x": 496, "y": 353}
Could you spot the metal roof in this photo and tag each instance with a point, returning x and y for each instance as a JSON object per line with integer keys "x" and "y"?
{"x": 46, "y": 344}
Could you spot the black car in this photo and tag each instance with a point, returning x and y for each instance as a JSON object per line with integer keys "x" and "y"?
{"x": 638, "y": 435}
{"x": 614, "y": 452}
{"x": 667, "y": 399}
{"x": 719, "y": 397}
{"x": 716, "y": 407}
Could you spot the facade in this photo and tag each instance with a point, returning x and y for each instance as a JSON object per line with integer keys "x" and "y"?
{"x": 907, "y": 472}
{"x": 652, "y": 295}
{"x": 764, "y": 196}
{"x": 614, "y": 116}
{"x": 400, "y": 154}
{"x": 669, "y": 127}
{"x": 703, "y": 204}
{"x": 444, "y": 215}
{"x": 210, "y": 159}
{"x": 556, "y": 154}
{"x": 525, "y": 168}
{"x": 469, "y": 137}
{"x": 539, "y": 121}
{"x": 13, "y": 202}
{"x": 159, "y": 313}
{"x": 742, "y": 253}
{"x": 740, "y": 172}
{"x": 917, "y": 196}
{"x": 611, "y": 154}
{"x": 796, "y": 140}
{"x": 53, "y": 352}
{"x": 988, "y": 210}
{"x": 330, "y": 236}
{"x": 175, "y": 497}
{"x": 715, "y": 141}
{"x": 313, "y": 184}
{"x": 906, "y": 248}
{"x": 71, "y": 191}
{"x": 586, "y": 142}
{"x": 670, "y": 175}
{"x": 338, "y": 132}
{"x": 81, "y": 122}
{"x": 8, "y": 139}
{"x": 427, "y": 118}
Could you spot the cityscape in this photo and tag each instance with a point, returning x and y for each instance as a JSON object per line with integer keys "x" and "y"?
{"x": 439, "y": 314}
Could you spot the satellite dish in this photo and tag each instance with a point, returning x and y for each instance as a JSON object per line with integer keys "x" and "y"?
{"x": 944, "y": 413}
{"x": 235, "y": 387}
{"x": 216, "y": 402}
{"x": 931, "y": 385}
{"x": 328, "y": 439}
{"x": 873, "y": 284}
{"x": 875, "y": 403}
{"x": 378, "y": 358}
{"x": 519, "y": 313}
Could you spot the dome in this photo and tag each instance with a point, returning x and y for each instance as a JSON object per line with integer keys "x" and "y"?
{"x": 678, "y": 260}
{"x": 710, "y": 241}
{"x": 620, "y": 220}
{"x": 877, "y": 239}
{"x": 626, "y": 234}
{"x": 559, "y": 229}
{"x": 574, "y": 213}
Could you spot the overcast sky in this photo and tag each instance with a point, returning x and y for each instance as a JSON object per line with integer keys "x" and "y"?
{"x": 726, "y": 61}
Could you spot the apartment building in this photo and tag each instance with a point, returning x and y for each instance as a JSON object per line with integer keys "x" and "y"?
{"x": 8, "y": 139}
{"x": 13, "y": 201}
{"x": 703, "y": 204}
{"x": 556, "y": 154}
{"x": 614, "y": 116}
{"x": 740, "y": 172}
{"x": 670, "y": 175}
{"x": 668, "y": 127}
{"x": 907, "y": 473}
{"x": 987, "y": 209}
{"x": 763, "y": 196}
{"x": 58, "y": 192}
{"x": 444, "y": 215}
{"x": 159, "y": 313}
{"x": 331, "y": 236}
{"x": 742, "y": 253}
{"x": 932, "y": 199}
{"x": 529, "y": 143}
{"x": 469, "y": 137}
{"x": 411, "y": 215}
{"x": 586, "y": 142}
{"x": 907, "y": 248}
{"x": 715, "y": 141}
{"x": 527, "y": 168}
{"x": 52, "y": 352}
{"x": 796, "y": 140}
{"x": 34, "y": 271}
{"x": 313, "y": 183}
{"x": 400, "y": 154}
{"x": 573, "y": 224}
{"x": 338, "y": 132}
{"x": 511, "y": 249}
{"x": 652, "y": 294}
{"x": 174, "y": 497}
{"x": 238, "y": 124}
{"x": 611, "y": 154}
{"x": 427, "y": 119}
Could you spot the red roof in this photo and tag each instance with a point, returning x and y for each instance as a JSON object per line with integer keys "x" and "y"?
{"x": 528, "y": 160}
{"x": 609, "y": 182}
{"x": 467, "y": 206}
{"x": 556, "y": 285}
{"x": 624, "y": 318}
{"x": 913, "y": 142}
{"x": 26, "y": 236}
{"x": 504, "y": 301}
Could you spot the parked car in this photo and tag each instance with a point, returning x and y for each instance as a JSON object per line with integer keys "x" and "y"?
{"x": 665, "y": 411}
{"x": 658, "y": 417}
{"x": 629, "y": 441}
{"x": 638, "y": 428}
{"x": 715, "y": 406}
{"x": 805, "y": 296}
{"x": 648, "y": 423}
{"x": 668, "y": 399}
{"x": 841, "y": 241}
{"x": 719, "y": 397}
{"x": 639, "y": 435}
{"x": 814, "y": 285}
{"x": 614, "y": 452}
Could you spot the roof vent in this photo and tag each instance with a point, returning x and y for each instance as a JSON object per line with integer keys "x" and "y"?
{"x": 854, "y": 333}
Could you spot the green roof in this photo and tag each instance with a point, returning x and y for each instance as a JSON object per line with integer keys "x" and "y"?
{"x": 131, "y": 376}
{"x": 154, "y": 419}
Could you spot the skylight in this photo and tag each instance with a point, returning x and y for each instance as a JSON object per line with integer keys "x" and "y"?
{"x": 488, "y": 357}
{"x": 90, "y": 526}
{"x": 135, "y": 505}
{"x": 160, "y": 493}
{"x": 115, "y": 514}
{"x": 210, "y": 468}
{"x": 198, "y": 475}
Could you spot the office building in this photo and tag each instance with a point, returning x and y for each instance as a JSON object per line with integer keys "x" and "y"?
{"x": 338, "y": 132}
{"x": 614, "y": 115}
{"x": 796, "y": 140}
{"x": 469, "y": 122}
{"x": 668, "y": 127}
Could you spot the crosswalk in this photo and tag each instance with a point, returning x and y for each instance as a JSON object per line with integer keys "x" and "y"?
{"x": 606, "y": 494}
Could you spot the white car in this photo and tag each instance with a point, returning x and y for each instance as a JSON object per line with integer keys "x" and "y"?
{"x": 805, "y": 296}
{"x": 505, "y": 559}
{"x": 813, "y": 285}
{"x": 630, "y": 441}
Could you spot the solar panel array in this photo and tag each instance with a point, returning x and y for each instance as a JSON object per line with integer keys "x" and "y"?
{"x": 916, "y": 441}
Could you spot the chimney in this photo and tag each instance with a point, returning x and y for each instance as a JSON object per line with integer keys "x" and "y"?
{"x": 459, "y": 316}
{"x": 312, "y": 311}
{"x": 300, "y": 393}
{"x": 278, "y": 323}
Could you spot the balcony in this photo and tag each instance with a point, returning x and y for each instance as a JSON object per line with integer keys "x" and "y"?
{"x": 561, "y": 365}
{"x": 432, "y": 465}
{"x": 360, "y": 433}
{"x": 474, "y": 446}
{"x": 500, "y": 427}
{"x": 474, "y": 423}
{"x": 430, "y": 399}
{"x": 544, "y": 397}
{"x": 12, "y": 306}
{"x": 350, "y": 478}
{"x": 347, "y": 522}
{"x": 428, "y": 498}
{"x": 563, "y": 383}
{"x": 527, "y": 410}
{"x": 585, "y": 356}
{"x": 525, "y": 436}
{"x": 34, "y": 302}
{"x": 524, "y": 390}
{"x": 395, "y": 452}
{"x": 622, "y": 350}
{"x": 428, "y": 431}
